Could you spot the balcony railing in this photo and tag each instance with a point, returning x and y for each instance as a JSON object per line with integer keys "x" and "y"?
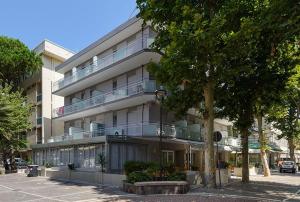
{"x": 133, "y": 130}
{"x": 39, "y": 121}
{"x": 39, "y": 98}
{"x": 146, "y": 86}
{"x": 101, "y": 63}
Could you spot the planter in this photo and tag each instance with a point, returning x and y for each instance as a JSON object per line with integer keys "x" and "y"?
{"x": 193, "y": 177}
{"x": 224, "y": 176}
{"x": 2, "y": 171}
{"x": 156, "y": 187}
{"x": 237, "y": 171}
{"x": 128, "y": 187}
{"x": 253, "y": 171}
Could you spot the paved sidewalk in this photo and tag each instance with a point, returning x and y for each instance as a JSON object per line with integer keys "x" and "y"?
{"x": 19, "y": 188}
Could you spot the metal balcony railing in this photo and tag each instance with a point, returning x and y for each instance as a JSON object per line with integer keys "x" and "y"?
{"x": 101, "y": 63}
{"x": 133, "y": 130}
{"x": 114, "y": 95}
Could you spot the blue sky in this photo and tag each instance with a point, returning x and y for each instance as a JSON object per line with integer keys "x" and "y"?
{"x": 73, "y": 24}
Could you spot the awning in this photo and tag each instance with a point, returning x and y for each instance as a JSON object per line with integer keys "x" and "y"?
{"x": 272, "y": 147}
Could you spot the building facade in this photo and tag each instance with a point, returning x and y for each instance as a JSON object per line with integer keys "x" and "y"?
{"x": 110, "y": 109}
{"x": 38, "y": 89}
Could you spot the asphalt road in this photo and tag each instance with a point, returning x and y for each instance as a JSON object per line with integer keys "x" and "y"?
{"x": 17, "y": 187}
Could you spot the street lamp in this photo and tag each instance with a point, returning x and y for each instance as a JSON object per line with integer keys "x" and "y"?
{"x": 160, "y": 95}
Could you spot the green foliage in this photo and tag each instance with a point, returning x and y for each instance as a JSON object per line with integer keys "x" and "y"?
{"x": 169, "y": 168}
{"x": 179, "y": 176}
{"x": 138, "y": 176}
{"x": 16, "y": 120}
{"x": 16, "y": 60}
{"x": 239, "y": 164}
{"x": 132, "y": 166}
{"x": 153, "y": 169}
{"x": 47, "y": 165}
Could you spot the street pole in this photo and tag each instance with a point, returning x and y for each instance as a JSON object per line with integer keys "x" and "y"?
{"x": 219, "y": 164}
{"x": 160, "y": 138}
{"x": 160, "y": 96}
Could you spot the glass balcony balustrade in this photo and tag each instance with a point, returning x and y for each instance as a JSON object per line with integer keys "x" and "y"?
{"x": 145, "y": 86}
{"x": 128, "y": 50}
{"x": 39, "y": 98}
{"x": 134, "y": 130}
{"x": 39, "y": 121}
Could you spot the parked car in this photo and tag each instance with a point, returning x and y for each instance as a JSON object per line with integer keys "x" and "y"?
{"x": 288, "y": 166}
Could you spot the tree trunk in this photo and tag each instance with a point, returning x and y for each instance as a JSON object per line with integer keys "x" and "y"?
{"x": 263, "y": 145}
{"x": 209, "y": 165}
{"x": 291, "y": 148}
{"x": 4, "y": 158}
{"x": 13, "y": 167}
{"x": 245, "y": 156}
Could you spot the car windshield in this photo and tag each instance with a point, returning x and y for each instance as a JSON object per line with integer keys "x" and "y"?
{"x": 288, "y": 163}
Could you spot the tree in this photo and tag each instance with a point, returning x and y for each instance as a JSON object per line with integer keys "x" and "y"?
{"x": 191, "y": 37}
{"x": 285, "y": 115}
{"x": 15, "y": 123}
{"x": 16, "y": 60}
{"x": 261, "y": 47}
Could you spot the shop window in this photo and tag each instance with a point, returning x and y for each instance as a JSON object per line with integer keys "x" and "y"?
{"x": 167, "y": 156}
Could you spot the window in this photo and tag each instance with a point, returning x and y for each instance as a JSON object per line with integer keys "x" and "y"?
{"x": 115, "y": 84}
{"x": 115, "y": 119}
{"x": 167, "y": 156}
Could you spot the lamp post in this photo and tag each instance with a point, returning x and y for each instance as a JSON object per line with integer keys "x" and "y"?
{"x": 160, "y": 95}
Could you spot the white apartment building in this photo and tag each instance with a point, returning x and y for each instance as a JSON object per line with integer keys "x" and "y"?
{"x": 38, "y": 89}
{"x": 110, "y": 109}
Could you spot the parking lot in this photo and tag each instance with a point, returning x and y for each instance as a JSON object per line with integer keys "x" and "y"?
{"x": 18, "y": 187}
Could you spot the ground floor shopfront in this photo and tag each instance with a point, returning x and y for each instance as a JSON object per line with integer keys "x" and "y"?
{"x": 185, "y": 155}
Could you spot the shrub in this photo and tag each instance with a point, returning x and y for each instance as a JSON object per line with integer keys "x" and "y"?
{"x": 132, "y": 166}
{"x": 152, "y": 169}
{"x": 48, "y": 165}
{"x": 170, "y": 168}
{"x": 239, "y": 165}
{"x": 138, "y": 176}
{"x": 177, "y": 177}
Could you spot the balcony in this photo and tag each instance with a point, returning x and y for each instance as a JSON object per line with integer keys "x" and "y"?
{"x": 39, "y": 121}
{"x": 39, "y": 98}
{"x": 101, "y": 64}
{"x": 148, "y": 130}
{"x": 119, "y": 94}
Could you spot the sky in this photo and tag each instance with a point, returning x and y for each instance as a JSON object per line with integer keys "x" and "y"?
{"x": 73, "y": 24}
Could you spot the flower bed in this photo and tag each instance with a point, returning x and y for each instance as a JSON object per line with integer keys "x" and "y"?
{"x": 144, "y": 178}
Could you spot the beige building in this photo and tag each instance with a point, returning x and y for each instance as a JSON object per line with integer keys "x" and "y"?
{"x": 38, "y": 89}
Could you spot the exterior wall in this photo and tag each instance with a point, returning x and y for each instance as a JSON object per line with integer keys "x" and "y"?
{"x": 50, "y": 101}
{"x": 40, "y": 85}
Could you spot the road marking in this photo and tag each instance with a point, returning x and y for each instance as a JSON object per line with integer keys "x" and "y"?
{"x": 293, "y": 196}
{"x": 7, "y": 187}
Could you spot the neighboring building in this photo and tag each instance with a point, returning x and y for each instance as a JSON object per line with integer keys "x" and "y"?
{"x": 110, "y": 109}
{"x": 38, "y": 89}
